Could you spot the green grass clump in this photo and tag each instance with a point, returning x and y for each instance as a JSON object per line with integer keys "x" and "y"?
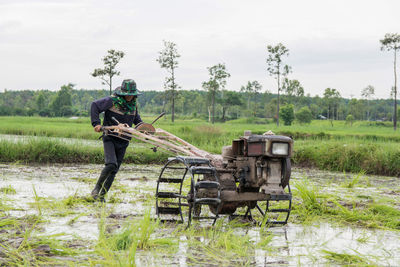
{"x": 353, "y": 181}
{"x": 356, "y": 157}
{"x": 21, "y": 245}
{"x": 8, "y": 190}
{"x": 311, "y": 205}
{"x": 345, "y": 258}
{"x": 55, "y": 151}
{"x": 311, "y": 202}
{"x": 120, "y": 248}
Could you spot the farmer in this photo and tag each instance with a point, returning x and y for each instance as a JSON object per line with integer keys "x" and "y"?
{"x": 123, "y": 107}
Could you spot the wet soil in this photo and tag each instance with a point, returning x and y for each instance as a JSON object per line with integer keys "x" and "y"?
{"x": 58, "y": 196}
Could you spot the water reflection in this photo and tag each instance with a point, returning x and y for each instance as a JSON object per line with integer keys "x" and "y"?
{"x": 291, "y": 244}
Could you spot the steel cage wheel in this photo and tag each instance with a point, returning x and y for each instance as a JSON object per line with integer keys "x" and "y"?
{"x": 173, "y": 192}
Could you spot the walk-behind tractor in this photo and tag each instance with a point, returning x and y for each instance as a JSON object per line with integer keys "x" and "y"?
{"x": 251, "y": 174}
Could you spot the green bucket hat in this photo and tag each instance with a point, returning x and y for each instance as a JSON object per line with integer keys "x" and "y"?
{"x": 128, "y": 87}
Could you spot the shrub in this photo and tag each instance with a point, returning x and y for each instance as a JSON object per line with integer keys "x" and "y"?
{"x": 287, "y": 114}
{"x": 350, "y": 119}
{"x": 304, "y": 115}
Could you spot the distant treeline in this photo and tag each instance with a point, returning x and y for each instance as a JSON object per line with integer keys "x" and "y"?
{"x": 193, "y": 103}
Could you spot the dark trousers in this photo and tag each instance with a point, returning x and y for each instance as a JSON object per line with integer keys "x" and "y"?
{"x": 114, "y": 152}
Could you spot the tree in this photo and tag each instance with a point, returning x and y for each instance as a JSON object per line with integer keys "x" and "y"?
{"x": 40, "y": 101}
{"x": 331, "y": 97}
{"x": 367, "y": 93}
{"x": 304, "y": 115}
{"x": 216, "y": 82}
{"x": 108, "y": 72}
{"x": 251, "y": 89}
{"x": 292, "y": 88}
{"x": 391, "y": 41}
{"x": 276, "y": 69}
{"x": 287, "y": 114}
{"x": 168, "y": 60}
{"x": 350, "y": 119}
{"x": 61, "y": 105}
{"x": 230, "y": 99}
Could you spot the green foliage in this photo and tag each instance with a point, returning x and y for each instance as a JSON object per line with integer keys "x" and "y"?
{"x": 251, "y": 90}
{"x": 229, "y": 99}
{"x": 276, "y": 68}
{"x": 40, "y": 101}
{"x": 304, "y": 115}
{"x": 57, "y": 151}
{"x": 110, "y": 62}
{"x": 353, "y": 181}
{"x": 215, "y": 83}
{"x": 377, "y": 157}
{"x": 331, "y": 98}
{"x": 350, "y": 119}
{"x": 293, "y": 89}
{"x": 287, "y": 114}
{"x": 345, "y": 258}
{"x": 309, "y": 194}
{"x": 168, "y": 59}
{"x": 61, "y": 105}
{"x": 8, "y": 190}
{"x": 189, "y": 102}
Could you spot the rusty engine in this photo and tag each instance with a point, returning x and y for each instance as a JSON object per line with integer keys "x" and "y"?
{"x": 255, "y": 168}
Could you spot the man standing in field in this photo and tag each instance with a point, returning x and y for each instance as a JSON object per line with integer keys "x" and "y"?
{"x": 123, "y": 107}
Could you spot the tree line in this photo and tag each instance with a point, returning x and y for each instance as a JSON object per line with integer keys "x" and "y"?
{"x": 250, "y": 102}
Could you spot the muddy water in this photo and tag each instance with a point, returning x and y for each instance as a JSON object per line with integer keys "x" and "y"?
{"x": 42, "y": 189}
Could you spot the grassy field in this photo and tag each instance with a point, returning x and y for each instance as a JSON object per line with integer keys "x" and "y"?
{"x": 372, "y": 147}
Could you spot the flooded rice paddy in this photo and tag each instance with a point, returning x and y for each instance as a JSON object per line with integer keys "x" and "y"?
{"x": 69, "y": 228}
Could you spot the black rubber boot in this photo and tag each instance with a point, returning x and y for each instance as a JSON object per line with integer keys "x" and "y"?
{"x": 107, "y": 184}
{"x": 97, "y": 193}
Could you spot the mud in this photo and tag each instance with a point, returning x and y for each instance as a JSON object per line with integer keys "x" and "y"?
{"x": 59, "y": 195}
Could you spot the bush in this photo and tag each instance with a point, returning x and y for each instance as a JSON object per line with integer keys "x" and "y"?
{"x": 46, "y": 112}
{"x": 287, "y": 114}
{"x": 304, "y": 115}
{"x": 350, "y": 119}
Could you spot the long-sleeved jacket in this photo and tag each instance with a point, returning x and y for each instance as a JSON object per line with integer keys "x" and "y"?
{"x": 106, "y": 105}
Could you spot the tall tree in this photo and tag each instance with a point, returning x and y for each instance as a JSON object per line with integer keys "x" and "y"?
{"x": 367, "y": 93}
{"x": 292, "y": 88}
{"x": 108, "y": 71}
{"x": 168, "y": 59}
{"x": 251, "y": 89}
{"x": 331, "y": 97}
{"x": 276, "y": 68}
{"x": 391, "y": 41}
{"x": 216, "y": 82}
{"x": 40, "y": 101}
{"x": 228, "y": 100}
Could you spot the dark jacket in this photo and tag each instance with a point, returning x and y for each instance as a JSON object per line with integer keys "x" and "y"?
{"x": 106, "y": 105}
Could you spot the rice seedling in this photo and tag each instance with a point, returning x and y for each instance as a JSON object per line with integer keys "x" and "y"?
{"x": 354, "y": 180}
{"x": 345, "y": 258}
{"x": 363, "y": 238}
{"x": 8, "y": 190}
{"x": 74, "y": 219}
{"x": 311, "y": 203}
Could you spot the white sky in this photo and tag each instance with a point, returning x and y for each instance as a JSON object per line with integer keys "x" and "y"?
{"x": 45, "y": 44}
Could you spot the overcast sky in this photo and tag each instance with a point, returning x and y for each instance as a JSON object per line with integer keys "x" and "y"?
{"x": 45, "y": 44}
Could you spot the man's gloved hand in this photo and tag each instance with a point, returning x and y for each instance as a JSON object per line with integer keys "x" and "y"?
{"x": 97, "y": 128}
